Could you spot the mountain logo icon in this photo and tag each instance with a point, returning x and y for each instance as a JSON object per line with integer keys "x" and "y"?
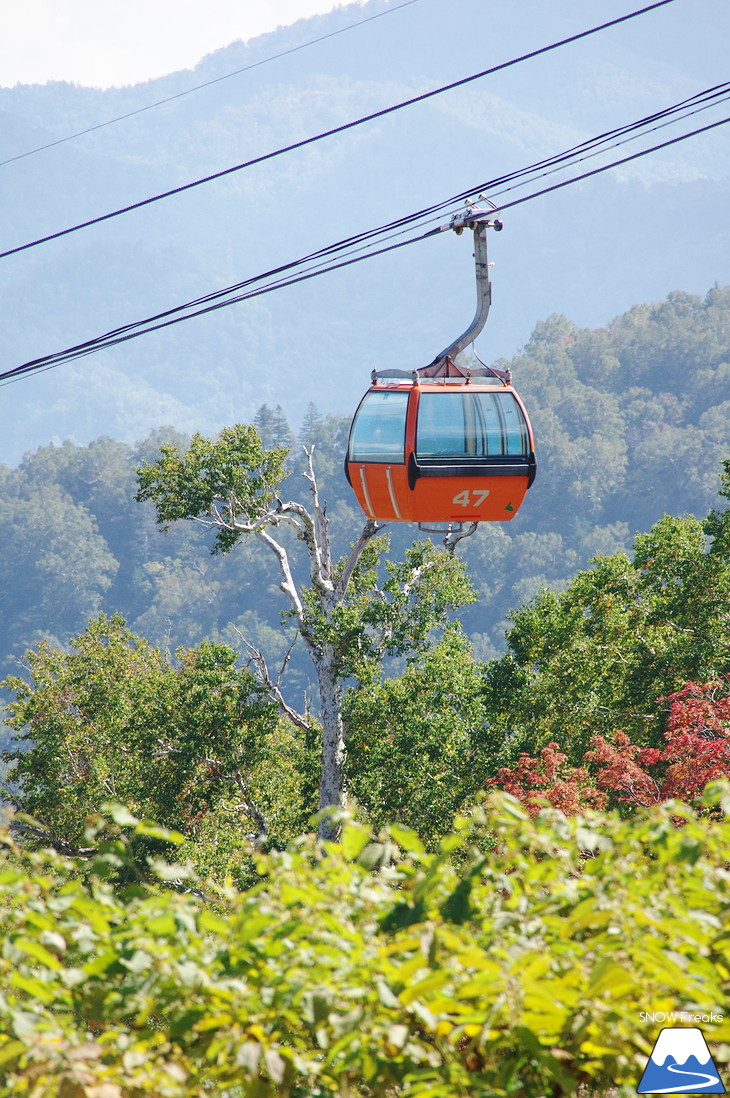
{"x": 680, "y": 1063}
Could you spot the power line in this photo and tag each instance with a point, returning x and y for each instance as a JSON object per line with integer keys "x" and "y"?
{"x": 335, "y": 130}
{"x": 614, "y": 164}
{"x": 591, "y": 147}
{"x": 206, "y": 84}
{"x": 222, "y": 298}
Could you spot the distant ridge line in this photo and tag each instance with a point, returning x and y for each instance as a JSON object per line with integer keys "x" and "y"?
{"x": 337, "y": 129}
{"x": 206, "y": 84}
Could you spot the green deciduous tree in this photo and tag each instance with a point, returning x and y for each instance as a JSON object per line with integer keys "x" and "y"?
{"x": 54, "y": 565}
{"x": 596, "y": 658}
{"x": 346, "y": 618}
{"x": 415, "y": 741}
{"x": 185, "y": 742}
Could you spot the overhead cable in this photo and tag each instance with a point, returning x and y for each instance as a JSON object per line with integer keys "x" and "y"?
{"x": 206, "y": 84}
{"x": 383, "y": 112}
{"x": 585, "y": 150}
{"x": 221, "y": 298}
{"x": 613, "y": 164}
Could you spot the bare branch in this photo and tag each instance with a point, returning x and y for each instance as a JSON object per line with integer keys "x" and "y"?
{"x": 62, "y": 846}
{"x": 216, "y": 520}
{"x": 455, "y": 536}
{"x": 165, "y": 749}
{"x": 314, "y": 535}
{"x": 273, "y": 686}
{"x": 252, "y": 808}
{"x": 287, "y": 585}
{"x": 321, "y": 526}
{"x": 369, "y": 530}
{"x": 285, "y": 661}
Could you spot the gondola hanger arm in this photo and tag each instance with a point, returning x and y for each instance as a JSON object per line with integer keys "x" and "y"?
{"x": 479, "y": 220}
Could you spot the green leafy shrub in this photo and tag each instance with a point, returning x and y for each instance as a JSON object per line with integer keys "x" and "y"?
{"x": 368, "y": 967}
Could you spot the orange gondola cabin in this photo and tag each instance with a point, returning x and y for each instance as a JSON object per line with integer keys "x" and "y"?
{"x": 445, "y": 444}
{"x": 433, "y": 452}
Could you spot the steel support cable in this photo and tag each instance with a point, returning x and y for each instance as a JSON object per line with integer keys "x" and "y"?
{"x": 273, "y": 284}
{"x": 535, "y": 174}
{"x": 383, "y": 112}
{"x": 419, "y": 219}
{"x": 713, "y": 96}
{"x": 110, "y": 339}
{"x": 205, "y": 84}
{"x": 531, "y": 175}
{"x": 306, "y": 262}
{"x": 360, "y": 241}
{"x": 613, "y": 164}
{"x": 217, "y": 299}
{"x": 559, "y": 161}
{"x": 314, "y": 263}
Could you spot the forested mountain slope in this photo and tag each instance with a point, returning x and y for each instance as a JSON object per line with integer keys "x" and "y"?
{"x": 630, "y": 422}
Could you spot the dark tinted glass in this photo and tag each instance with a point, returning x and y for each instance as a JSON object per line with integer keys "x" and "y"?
{"x": 470, "y": 425}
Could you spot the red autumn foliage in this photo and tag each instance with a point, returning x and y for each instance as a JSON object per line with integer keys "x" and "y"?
{"x": 550, "y": 778}
{"x": 698, "y": 740}
{"x": 618, "y": 772}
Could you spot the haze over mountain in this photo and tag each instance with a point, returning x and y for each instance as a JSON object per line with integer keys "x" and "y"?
{"x": 589, "y": 251}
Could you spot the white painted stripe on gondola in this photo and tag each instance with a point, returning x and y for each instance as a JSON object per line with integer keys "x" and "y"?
{"x": 368, "y": 503}
{"x": 392, "y": 494}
